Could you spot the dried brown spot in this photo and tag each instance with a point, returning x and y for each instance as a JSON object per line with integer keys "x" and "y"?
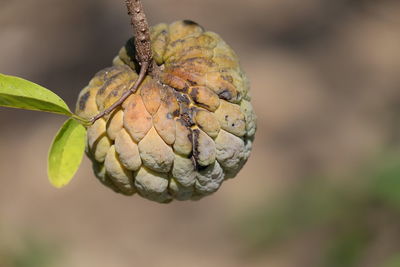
{"x": 194, "y": 93}
{"x": 182, "y": 98}
{"x": 192, "y": 83}
{"x": 199, "y": 62}
{"x": 227, "y": 78}
{"x": 195, "y": 143}
{"x": 190, "y": 22}
{"x": 175, "y": 43}
{"x": 225, "y": 94}
{"x": 116, "y": 91}
{"x": 187, "y": 116}
{"x": 174, "y": 81}
{"x": 110, "y": 80}
{"x": 176, "y": 113}
{"x": 83, "y": 100}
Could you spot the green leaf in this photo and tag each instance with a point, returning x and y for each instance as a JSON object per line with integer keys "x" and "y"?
{"x": 19, "y": 93}
{"x": 66, "y": 153}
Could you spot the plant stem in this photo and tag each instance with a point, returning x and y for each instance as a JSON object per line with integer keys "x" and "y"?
{"x": 144, "y": 54}
{"x": 81, "y": 120}
{"x": 141, "y": 31}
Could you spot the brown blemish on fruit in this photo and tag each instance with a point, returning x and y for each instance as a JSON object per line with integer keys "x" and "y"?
{"x": 182, "y": 99}
{"x": 204, "y": 97}
{"x": 225, "y": 94}
{"x": 169, "y": 99}
{"x": 195, "y": 143}
{"x": 187, "y": 116}
{"x": 176, "y": 113}
{"x": 192, "y": 83}
{"x": 190, "y": 22}
{"x": 109, "y": 80}
{"x": 174, "y": 81}
{"x": 83, "y": 100}
{"x": 113, "y": 96}
{"x": 115, "y": 92}
{"x": 196, "y": 166}
{"x": 183, "y": 144}
{"x": 231, "y": 118}
{"x": 227, "y": 78}
{"x": 199, "y": 65}
{"x": 203, "y": 148}
{"x": 176, "y": 42}
{"x": 191, "y": 77}
{"x": 194, "y": 93}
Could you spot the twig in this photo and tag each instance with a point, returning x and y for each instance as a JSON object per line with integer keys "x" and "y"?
{"x": 144, "y": 54}
{"x": 141, "y": 30}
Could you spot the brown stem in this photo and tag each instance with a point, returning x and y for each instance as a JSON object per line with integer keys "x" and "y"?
{"x": 144, "y": 54}
{"x": 141, "y": 30}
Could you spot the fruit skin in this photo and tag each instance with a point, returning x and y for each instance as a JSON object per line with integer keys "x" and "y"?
{"x": 178, "y": 137}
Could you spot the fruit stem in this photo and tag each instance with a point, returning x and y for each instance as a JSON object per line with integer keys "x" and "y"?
{"x": 144, "y": 54}
{"x": 141, "y": 30}
{"x": 81, "y": 120}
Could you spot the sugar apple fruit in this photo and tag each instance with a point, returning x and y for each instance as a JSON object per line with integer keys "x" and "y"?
{"x": 181, "y": 134}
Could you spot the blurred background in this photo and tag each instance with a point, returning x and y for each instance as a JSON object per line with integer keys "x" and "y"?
{"x": 321, "y": 189}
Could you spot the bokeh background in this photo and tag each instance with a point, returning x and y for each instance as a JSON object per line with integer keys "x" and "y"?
{"x": 322, "y": 187}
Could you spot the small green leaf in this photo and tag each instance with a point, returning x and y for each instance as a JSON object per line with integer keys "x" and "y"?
{"x": 19, "y": 93}
{"x": 66, "y": 153}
